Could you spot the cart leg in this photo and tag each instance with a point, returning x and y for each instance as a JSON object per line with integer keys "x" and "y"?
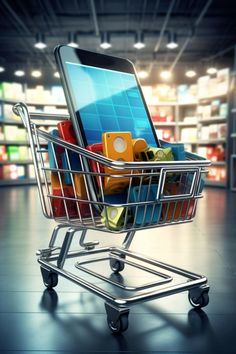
{"x": 117, "y": 318}
{"x": 65, "y": 247}
{"x": 54, "y": 234}
{"x": 198, "y": 297}
{"x": 116, "y": 264}
{"x": 87, "y": 245}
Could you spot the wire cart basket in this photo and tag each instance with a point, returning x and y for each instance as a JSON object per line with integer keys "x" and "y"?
{"x": 157, "y": 193}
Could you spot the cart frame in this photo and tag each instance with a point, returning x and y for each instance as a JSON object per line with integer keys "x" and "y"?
{"x": 52, "y": 259}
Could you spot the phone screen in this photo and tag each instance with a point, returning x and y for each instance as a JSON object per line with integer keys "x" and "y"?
{"x": 108, "y": 101}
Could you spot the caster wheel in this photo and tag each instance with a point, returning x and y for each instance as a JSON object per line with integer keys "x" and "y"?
{"x": 50, "y": 279}
{"x": 200, "y": 300}
{"x": 116, "y": 265}
{"x": 120, "y": 325}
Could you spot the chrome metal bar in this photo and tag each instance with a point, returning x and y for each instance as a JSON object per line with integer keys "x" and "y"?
{"x": 57, "y": 228}
{"x": 65, "y": 247}
{"x": 165, "y": 278}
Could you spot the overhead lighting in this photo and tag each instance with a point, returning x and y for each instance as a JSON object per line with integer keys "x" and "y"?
{"x": 72, "y": 40}
{"x": 105, "y": 41}
{"x": 19, "y": 73}
{"x": 165, "y": 74}
{"x": 36, "y": 73}
{"x": 211, "y": 70}
{"x": 190, "y": 73}
{"x": 139, "y": 41}
{"x": 142, "y": 74}
{"x": 2, "y": 69}
{"x": 40, "y": 41}
{"x": 172, "y": 41}
{"x": 56, "y": 74}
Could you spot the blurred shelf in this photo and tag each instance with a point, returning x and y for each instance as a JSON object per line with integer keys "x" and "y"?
{"x": 10, "y": 101}
{"x": 192, "y": 103}
{"x": 16, "y": 162}
{"x": 218, "y": 163}
{"x": 213, "y": 183}
{"x": 233, "y": 135}
{"x": 212, "y": 120}
{"x": 164, "y": 103}
{"x": 211, "y": 141}
{"x": 164, "y": 124}
{"x": 13, "y": 142}
{"x": 212, "y": 97}
{"x": 16, "y": 182}
{"x": 186, "y": 124}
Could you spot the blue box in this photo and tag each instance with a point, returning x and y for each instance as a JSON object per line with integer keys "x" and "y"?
{"x": 74, "y": 164}
{"x": 177, "y": 150}
{"x": 140, "y": 194}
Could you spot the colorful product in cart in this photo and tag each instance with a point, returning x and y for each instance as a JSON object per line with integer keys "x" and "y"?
{"x": 145, "y": 214}
{"x": 66, "y": 207}
{"x": 54, "y": 152}
{"x": 94, "y": 166}
{"x": 177, "y": 150}
{"x": 172, "y": 211}
{"x": 116, "y": 146}
{"x": 156, "y": 154}
{"x": 114, "y": 215}
{"x": 70, "y": 159}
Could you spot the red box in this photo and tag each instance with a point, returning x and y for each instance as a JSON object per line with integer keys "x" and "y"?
{"x": 98, "y": 149}
{"x": 66, "y": 132}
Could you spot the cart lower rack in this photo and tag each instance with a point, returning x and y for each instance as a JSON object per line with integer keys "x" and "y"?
{"x": 157, "y": 193}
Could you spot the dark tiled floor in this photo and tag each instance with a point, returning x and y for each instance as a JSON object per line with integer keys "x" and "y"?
{"x": 73, "y": 320}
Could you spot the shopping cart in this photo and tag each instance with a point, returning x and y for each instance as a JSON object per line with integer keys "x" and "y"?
{"x": 156, "y": 194}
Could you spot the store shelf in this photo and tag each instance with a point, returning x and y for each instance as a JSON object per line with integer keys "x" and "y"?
{"x": 186, "y": 124}
{"x": 164, "y": 124}
{"x": 193, "y": 103}
{"x": 206, "y": 98}
{"x": 16, "y": 182}
{"x": 218, "y": 163}
{"x": 209, "y": 142}
{"x": 13, "y": 142}
{"x": 212, "y": 120}
{"x": 233, "y": 135}
{"x": 215, "y": 183}
{"x": 163, "y": 103}
{"x": 16, "y": 162}
{"x": 50, "y": 104}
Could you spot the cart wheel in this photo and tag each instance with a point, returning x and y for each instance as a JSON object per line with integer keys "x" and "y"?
{"x": 120, "y": 325}
{"x": 116, "y": 266}
{"x": 198, "y": 300}
{"x": 50, "y": 279}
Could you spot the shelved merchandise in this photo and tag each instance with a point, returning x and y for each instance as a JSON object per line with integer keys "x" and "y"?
{"x": 199, "y": 119}
{"x": 16, "y": 166}
{"x": 196, "y": 115}
{"x": 233, "y": 136}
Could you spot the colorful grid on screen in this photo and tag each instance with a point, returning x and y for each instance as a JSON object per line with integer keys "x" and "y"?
{"x": 108, "y": 101}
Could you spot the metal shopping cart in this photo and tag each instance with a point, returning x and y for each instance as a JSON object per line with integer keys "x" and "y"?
{"x": 156, "y": 194}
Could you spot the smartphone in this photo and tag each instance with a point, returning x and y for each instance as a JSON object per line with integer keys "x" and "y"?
{"x": 103, "y": 94}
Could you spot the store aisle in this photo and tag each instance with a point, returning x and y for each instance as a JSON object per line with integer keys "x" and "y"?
{"x": 73, "y": 320}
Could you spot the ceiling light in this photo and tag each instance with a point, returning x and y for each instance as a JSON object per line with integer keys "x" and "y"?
{"x": 165, "y": 74}
{"x": 40, "y": 41}
{"x": 36, "y": 73}
{"x": 57, "y": 75}
{"x": 172, "y": 41}
{"x": 142, "y": 74}
{"x": 72, "y": 40}
{"x": 19, "y": 73}
{"x": 2, "y": 69}
{"x": 211, "y": 70}
{"x": 139, "y": 41}
{"x": 190, "y": 73}
{"x": 105, "y": 41}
